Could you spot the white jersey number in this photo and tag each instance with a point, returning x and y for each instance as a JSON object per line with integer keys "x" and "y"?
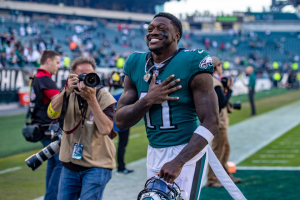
{"x": 165, "y": 115}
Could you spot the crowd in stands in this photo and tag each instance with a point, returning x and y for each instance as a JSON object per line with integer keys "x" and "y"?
{"x": 22, "y": 43}
{"x": 265, "y": 51}
{"x": 128, "y": 6}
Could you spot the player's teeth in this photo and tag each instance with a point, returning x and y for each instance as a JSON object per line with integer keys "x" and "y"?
{"x": 154, "y": 40}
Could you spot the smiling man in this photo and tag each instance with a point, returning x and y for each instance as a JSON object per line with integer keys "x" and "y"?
{"x": 170, "y": 88}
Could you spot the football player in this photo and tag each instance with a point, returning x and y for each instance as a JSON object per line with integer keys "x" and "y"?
{"x": 170, "y": 88}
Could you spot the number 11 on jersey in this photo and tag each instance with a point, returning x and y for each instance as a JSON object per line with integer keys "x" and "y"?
{"x": 165, "y": 115}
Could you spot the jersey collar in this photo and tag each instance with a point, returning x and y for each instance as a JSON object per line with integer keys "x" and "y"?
{"x": 151, "y": 63}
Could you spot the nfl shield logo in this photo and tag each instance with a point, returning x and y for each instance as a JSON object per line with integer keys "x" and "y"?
{"x": 91, "y": 117}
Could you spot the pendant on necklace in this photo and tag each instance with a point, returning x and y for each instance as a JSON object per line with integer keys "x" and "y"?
{"x": 147, "y": 77}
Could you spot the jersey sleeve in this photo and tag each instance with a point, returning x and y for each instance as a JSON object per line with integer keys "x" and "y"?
{"x": 128, "y": 67}
{"x": 201, "y": 63}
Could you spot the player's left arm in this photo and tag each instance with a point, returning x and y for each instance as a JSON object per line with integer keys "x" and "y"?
{"x": 206, "y": 104}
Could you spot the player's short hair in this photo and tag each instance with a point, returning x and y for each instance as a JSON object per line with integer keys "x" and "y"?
{"x": 82, "y": 60}
{"x": 174, "y": 20}
{"x": 47, "y": 54}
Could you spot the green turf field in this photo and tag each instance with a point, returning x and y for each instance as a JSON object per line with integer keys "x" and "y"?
{"x": 21, "y": 184}
{"x": 29, "y": 185}
{"x": 284, "y": 151}
{"x": 260, "y": 95}
{"x": 260, "y": 185}
{"x": 268, "y": 103}
{"x": 12, "y": 141}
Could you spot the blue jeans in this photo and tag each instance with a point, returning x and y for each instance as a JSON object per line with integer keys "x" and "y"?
{"x": 53, "y": 174}
{"x": 88, "y": 184}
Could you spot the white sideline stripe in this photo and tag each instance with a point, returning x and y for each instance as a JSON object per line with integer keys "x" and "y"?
{"x": 39, "y": 198}
{"x": 130, "y": 137}
{"x": 269, "y": 168}
{"x": 10, "y": 170}
{"x": 134, "y": 136}
{"x": 262, "y": 131}
{"x": 266, "y": 142}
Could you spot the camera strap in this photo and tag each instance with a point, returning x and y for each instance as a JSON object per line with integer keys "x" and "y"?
{"x": 83, "y": 110}
{"x": 73, "y": 129}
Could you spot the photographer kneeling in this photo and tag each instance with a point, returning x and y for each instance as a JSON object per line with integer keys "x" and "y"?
{"x": 87, "y": 150}
{"x": 220, "y": 143}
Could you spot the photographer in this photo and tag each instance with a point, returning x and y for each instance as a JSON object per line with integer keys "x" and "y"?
{"x": 87, "y": 150}
{"x": 43, "y": 90}
{"x": 220, "y": 144}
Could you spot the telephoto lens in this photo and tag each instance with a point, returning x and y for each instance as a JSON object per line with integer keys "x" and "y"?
{"x": 37, "y": 159}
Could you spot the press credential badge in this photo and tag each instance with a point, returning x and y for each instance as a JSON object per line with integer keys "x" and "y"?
{"x": 77, "y": 151}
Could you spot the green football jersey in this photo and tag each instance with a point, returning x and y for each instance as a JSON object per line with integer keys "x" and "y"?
{"x": 171, "y": 123}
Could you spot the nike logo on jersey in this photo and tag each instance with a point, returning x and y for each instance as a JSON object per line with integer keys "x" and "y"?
{"x": 200, "y": 51}
{"x": 188, "y": 50}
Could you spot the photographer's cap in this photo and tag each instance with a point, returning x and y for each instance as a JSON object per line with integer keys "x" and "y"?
{"x": 216, "y": 61}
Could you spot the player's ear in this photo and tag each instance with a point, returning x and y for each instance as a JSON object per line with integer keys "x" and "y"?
{"x": 177, "y": 36}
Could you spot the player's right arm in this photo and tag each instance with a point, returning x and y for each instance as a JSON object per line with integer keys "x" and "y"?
{"x": 130, "y": 109}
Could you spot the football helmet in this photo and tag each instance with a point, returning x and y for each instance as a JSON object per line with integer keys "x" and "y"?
{"x": 157, "y": 189}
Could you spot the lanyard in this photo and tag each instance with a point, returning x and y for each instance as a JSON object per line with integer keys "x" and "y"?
{"x": 83, "y": 113}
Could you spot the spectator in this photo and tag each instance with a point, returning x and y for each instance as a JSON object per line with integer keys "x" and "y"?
{"x": 3, "y": 59}
{"x": 67, "y": 61}
{"x": 251, "y": 87}
{"x": 22, "y": 31}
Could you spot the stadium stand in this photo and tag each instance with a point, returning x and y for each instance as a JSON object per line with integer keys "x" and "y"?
{"x": 101, "y": 40}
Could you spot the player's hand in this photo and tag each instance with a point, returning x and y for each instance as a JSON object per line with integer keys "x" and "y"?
{"x": 157, "y": 94}
{"x": 72, "y": 83}
{"x": 170, "y": 171}
{"x": 87, "y": 93}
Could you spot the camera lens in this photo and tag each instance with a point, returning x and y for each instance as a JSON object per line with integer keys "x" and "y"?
{"x": 33, "y": 162}
{"x": 37, "y": 159}
{"x": 91, "y": 80}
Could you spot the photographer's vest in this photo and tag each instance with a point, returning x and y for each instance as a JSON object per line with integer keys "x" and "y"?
{"x": 99, "y": 150}
{"x": 223, "y": 115}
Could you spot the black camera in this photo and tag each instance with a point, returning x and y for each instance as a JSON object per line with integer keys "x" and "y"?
{"x": 90, "y": 80}
{"x": 225, "y": 80}
{"x": 37, "y": 159}
{"x": 237, "y": 106}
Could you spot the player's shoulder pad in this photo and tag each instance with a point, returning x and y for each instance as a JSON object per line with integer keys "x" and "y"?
{"x": 203, "y": 60}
